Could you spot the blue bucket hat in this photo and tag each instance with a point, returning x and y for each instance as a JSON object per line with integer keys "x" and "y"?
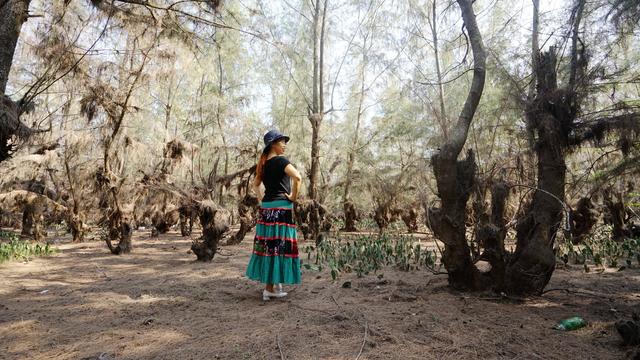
{"x": 272, "y": 136}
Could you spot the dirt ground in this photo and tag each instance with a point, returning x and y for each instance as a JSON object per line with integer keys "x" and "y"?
{"x": 158, "y": 303}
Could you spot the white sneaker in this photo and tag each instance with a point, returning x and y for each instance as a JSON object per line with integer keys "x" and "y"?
{"x": 278, "y": 288}
{"x": 268, "y": 294}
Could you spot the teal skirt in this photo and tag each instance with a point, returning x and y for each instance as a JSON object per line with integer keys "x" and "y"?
{"x": 275, "y": 247}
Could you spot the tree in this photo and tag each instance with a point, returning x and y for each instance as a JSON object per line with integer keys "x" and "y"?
{"x": 553, "y": 119}
{"x": 13, "y": 13}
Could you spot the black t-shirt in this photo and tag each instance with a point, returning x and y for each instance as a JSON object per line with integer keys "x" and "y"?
{"x": 276, "y": 182}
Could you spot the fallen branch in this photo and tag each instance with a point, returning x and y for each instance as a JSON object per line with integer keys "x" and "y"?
{"x": 279, "y": 344}
{"x": 574, "y": 292}
{"x": 364, "y": 339}
{"x": 103, "y": 273}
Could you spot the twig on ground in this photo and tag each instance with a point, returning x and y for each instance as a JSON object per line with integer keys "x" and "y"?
{"x": 366, "y": 326}
{"x": 103, "y": 272}
{"x": 364, "y": 339}
{"x": 279, "y": 344}
{"x": 574, "y": 292}
{"x": 309, "y": 309}
{"x": 336, "y": 302}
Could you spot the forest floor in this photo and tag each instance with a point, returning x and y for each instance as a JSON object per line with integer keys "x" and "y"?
{"x": 158, "y": 303}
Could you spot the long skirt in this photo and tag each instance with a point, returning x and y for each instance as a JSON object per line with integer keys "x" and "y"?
{"x": 275, "y": 247}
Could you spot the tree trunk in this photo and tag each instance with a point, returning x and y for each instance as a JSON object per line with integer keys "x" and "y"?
{"x": 219, "y": 121}
{"x": 350, "y": 217}
{"x": 119, "y": 219}
{"x": 119, "y": 228}
{"x": 583, "y": 219}
{"x": 28, "y": 220}
{"x": 315, "y": 120}
{"x": 13, "y": 13}
{"x": 535, "y": 47}
{"x": 76, "y": 225}
{"x": 163, "y": 221}
{"x": 409, "y": 216}
{"x": 74, "y": 218}
{"x": 615, "y": 214}
{"x": 187, "y": 214}
{"x": 247, "y": 209}
{"x": 315, "y": 117}
{"x": 533, "y": 262}
{"x": 442, "y": 116}
{"x": 455, "y": 178}
{"x": 215, "y": 222}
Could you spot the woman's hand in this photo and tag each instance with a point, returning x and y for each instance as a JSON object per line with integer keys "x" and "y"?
{"x": 296, "y": 179}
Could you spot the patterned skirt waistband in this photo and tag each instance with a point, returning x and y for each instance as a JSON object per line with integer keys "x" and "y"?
{"x": 277, "y": 204}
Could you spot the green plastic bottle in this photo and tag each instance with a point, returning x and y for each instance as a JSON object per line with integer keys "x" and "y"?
{"x": 571, "y": 323}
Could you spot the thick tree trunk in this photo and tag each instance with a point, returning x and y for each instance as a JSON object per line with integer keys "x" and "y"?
{"x": 13, "y": 13}
{"x": 490, "y": 235}
{"x": 247, "y": 209}
{"x": 187, "y": 214}
{"x": 186, "y": 225}
{"x": 533, "y": 262}
{"x": 615, "y": 214}
{"x": 350, "y": 217}
{"x": 409, "y": 216}
{"x": 215, "y": 223}
{"x": 119, "y": 228}
{"x": 32, "y": 221}
{"x": 163, "y": 221}
{"x": 28, "y": 220}
{"x": 455, "y": 178}
{"x": 76, "y": 225}
{"x": 583, "y": 219}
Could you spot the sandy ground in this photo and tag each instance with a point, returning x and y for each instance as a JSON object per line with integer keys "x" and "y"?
{"x": 158, "y": 303}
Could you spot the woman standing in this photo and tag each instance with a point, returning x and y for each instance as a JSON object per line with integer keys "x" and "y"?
{"x": 275, "y": 247}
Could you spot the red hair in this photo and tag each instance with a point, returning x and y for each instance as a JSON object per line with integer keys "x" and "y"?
{"x": 260, "y": 166}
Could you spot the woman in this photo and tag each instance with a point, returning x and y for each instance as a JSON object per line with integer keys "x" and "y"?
{"x": 275, "y": 248}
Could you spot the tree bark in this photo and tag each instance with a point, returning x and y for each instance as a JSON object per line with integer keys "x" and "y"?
{"x": 215, "y": 222}
{"x": 455, "y": 178}
{"x": 535, "y": 48}
{"x": 577, "y": 18}
{"x": 119, "y": 219}
{"x": 315, "y": 120}
{"x": 13, "y": 14}
{"x": 247, "y": 210}
{"x": 350, "y": 215}
{"x": 219, "y": 121}
{"x": 316, "y": 111}
{"x": 533, "y": 262}
{"x": 442, "y": 117}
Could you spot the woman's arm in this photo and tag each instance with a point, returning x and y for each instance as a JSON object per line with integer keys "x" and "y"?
{"x": 257, "y": 190}
{"x": 297, "y": 179}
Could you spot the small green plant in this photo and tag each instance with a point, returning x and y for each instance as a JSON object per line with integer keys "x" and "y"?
{"x": 601, "y": 250}
{"x": 12, "y": 248}
{"x": 366, "y": 254}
